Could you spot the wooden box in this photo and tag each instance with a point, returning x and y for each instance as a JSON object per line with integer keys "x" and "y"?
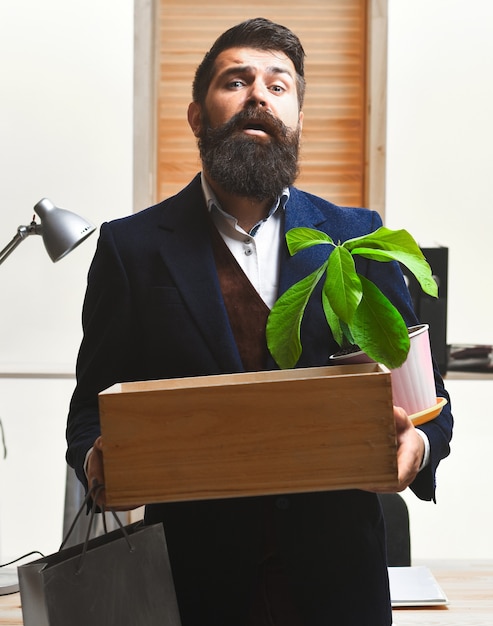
{"x": 247, "y": 434}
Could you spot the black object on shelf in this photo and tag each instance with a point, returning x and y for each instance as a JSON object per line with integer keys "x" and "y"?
{"x": 433, "y": 311}
{"x": 470, "y": 358}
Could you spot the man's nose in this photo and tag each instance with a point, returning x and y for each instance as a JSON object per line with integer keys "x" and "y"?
{"x": 258, "y": 95}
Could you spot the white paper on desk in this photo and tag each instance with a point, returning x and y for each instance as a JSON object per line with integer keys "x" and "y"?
{"x": 414, "y": 586}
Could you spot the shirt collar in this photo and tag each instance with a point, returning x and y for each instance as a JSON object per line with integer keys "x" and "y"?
{"x": 214, "y": 205}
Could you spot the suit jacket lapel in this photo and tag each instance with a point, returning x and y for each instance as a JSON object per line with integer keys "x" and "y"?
{"x": 299, "y": 212}
{"x": 188, "y": 255}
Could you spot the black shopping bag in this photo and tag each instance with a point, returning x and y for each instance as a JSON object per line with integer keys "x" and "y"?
{"x": 122, "y": 578}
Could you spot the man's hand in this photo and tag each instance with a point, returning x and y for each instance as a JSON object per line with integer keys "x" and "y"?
{"x": 410, "y": 451}
{"x": 95, "y": 476}
{"x": 95, "y": 470}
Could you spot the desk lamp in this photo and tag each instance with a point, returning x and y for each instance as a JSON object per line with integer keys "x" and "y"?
{"x": 62, "y": 231}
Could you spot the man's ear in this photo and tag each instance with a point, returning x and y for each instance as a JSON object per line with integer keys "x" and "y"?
{"x": 195, "y": 117}
{"x": 301, "y": 116}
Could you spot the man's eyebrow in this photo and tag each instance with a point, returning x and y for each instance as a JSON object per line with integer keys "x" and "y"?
{"x": 250, "y": 69}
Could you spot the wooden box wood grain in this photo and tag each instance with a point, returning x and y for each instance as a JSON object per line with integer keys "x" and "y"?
{"x": 230, "y": 435}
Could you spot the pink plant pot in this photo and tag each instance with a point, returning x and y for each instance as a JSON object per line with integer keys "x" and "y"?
{"x": 413, "y": 384}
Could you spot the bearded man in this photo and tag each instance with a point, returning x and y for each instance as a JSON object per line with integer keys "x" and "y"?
{"x": 184, "y": 288}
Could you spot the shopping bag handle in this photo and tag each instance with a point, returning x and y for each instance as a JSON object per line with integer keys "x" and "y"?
{"x": 92, "y": 494}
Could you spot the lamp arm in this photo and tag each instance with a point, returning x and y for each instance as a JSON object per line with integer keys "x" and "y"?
{"x": 21, "y": 234}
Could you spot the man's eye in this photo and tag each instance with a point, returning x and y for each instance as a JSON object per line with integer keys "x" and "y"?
{"x": 235, "y": 84}
{"x": 277, "y": 89}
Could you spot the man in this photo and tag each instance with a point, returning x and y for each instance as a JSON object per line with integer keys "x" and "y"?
{"x": 184, "y": 289}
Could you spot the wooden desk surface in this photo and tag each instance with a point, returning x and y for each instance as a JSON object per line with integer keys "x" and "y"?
{"x": 10, "y": 610}
{"x": 467, "y": 584}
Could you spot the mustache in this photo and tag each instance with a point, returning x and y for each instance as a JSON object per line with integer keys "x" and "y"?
{"x": 251, "y": 118}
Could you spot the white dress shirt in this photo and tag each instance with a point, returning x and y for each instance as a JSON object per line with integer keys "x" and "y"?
{"x": 257, "y": 252}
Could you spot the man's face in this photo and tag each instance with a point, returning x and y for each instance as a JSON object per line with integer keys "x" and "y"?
{"x": 249, "y": 128}
{"x": 245, "y": 77}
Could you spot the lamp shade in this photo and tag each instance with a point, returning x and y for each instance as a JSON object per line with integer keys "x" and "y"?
{"x": 61, "y": 230}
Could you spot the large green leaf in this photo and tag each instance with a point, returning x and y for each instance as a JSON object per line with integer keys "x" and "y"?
{"x": 332, "y": 320}
{"x": 378, "y": 328}
{"x": 340, "y": 330}
{"x": 417, "y": 265}
{"x": 284, "y": 322}
{"x": 300, "y": 238}
{"x": 342, "y": 284}
{"x": 386, "y": 239}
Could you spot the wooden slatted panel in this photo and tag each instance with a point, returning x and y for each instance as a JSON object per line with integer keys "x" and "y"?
{"x": 333, "y": 33}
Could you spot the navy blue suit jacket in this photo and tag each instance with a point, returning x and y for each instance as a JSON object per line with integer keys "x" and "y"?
{"x": 153, "y": 309}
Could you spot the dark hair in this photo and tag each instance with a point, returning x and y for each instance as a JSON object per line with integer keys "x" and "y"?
{"x": 258, "y": 33}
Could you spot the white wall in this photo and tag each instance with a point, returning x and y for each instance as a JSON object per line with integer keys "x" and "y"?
{"x": 459, "y": 524}
{"x": 440, "y": 156}
{"x": 440, "y": 145}
{"x": 66, "y": 133}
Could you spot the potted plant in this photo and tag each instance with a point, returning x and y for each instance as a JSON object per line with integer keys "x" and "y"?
{"x": 357, "y": 312}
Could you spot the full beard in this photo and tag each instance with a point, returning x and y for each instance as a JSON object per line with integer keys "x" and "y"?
{"x": 248, "y": 166}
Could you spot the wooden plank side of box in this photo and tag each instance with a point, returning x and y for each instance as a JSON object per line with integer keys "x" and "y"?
{"x": 248, "y": 434}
